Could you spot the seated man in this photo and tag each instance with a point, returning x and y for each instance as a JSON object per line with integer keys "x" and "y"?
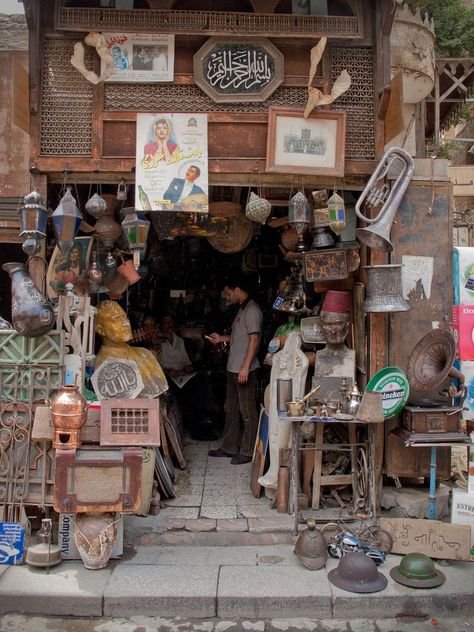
{"x": 189, "y": 386}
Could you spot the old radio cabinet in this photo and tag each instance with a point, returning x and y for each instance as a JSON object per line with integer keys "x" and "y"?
{"x": 98, "y": 480}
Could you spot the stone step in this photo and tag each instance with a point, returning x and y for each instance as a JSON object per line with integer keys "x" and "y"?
{"x": 162, "y": 530}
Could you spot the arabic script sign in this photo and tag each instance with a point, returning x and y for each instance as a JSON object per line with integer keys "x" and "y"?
{"x": 232, "y": 69}
{"x": 117, "y": 378}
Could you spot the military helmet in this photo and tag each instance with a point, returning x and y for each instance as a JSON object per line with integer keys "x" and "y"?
{"x": 311, "y": 548}
{"x": 357, "y": 573}
{"x": 418, "y": 571}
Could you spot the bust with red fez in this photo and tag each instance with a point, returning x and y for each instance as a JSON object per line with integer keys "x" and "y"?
{"x": 336, "y": 359}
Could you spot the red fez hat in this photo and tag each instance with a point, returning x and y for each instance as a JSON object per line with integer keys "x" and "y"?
{"x": 336, "y": 301}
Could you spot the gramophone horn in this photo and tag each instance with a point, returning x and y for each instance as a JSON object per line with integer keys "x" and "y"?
{"x": 431, "y": 361}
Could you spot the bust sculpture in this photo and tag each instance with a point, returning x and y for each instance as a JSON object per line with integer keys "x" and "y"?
{"x": 114, "y": 328}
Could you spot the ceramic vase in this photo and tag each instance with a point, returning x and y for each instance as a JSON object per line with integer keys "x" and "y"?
{"x": 95, "y": 536}
{"x": 32, "y": 313}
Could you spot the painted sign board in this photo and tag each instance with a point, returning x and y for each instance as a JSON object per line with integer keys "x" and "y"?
{"x": 12, "y": 542}
{"x": 439, "y": 540}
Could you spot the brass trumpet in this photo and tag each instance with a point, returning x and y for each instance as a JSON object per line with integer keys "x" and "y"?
{"x": 378, "y": 235}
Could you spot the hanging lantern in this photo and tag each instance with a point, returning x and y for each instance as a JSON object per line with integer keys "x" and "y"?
{"x": 66, "y": 221}
{"x": 33, "y": 216}
{"x": 136, "y": 230}
{"x": 299, "y": 216}
{"x": 96, "y": 206}
{"x": 94, "y": 274}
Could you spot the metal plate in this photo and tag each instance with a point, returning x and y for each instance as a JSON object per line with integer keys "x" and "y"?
{"x": 393, "y": 384}
{"x": 239, "y": 236}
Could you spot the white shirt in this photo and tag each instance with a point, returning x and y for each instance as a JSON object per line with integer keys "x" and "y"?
{"x": 173, "y": 354}
{"x": 187, "y": 188}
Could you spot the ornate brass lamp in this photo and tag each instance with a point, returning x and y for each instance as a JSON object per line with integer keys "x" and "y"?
{"x": 299, "y": 216}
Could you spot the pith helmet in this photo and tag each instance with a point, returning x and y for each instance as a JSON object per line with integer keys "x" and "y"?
{"x": 418, "y": 571}
{"x": 357, "y": 573}
{"x": 311, "y": 548}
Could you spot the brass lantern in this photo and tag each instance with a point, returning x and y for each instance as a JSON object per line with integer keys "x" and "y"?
{"x": 66, "y": 221}
{"x": 135, "y": 230}
{"x": 33, "y": 216}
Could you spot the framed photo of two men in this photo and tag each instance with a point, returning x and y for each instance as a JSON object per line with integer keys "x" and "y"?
{"x": 314, "y": 146}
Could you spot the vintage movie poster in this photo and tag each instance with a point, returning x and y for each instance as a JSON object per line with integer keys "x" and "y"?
{"x": 171, "y": 163}
{"x": 141, "y": 57}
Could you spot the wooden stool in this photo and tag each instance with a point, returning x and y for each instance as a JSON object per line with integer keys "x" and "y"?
{"x": 312, "y": 465}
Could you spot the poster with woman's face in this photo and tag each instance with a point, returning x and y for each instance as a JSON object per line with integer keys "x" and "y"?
{"x": 68, "y": 269}
{"x": 171, "y": 163}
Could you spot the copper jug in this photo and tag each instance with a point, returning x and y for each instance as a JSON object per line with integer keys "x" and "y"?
{"x": 32, "y": 313}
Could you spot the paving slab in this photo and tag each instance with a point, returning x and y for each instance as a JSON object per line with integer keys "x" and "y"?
{"x": 68, "y": 589}
{"x": 260, "y": 591}
{"x": 167, "y": 591}
{"x": 397, "y": 600}
{"x": 195, "y": 556}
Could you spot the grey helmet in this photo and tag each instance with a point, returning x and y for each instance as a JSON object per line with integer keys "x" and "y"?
{"x": 357, "y": 573}
{"x": 311, "y": 548}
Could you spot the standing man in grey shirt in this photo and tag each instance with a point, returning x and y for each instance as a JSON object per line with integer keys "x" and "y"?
{"x": 241, "y": 392}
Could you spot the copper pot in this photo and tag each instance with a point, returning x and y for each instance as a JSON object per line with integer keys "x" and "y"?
{"x": 68, "y": 408}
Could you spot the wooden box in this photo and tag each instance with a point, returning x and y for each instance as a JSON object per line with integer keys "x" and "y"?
{"x": 130, "y": 422}
{"x": 98, "y": 480}
{"x": 419, "y": 420}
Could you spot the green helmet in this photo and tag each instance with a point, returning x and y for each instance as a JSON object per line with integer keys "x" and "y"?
{"x": 418, "y": 571}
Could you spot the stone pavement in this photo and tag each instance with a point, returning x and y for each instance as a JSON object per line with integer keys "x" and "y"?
{"x": 217, "y": 554}
{"x": 203, "y": 582}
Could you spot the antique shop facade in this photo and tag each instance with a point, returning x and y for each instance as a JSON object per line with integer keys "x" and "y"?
{"x": 84, "y": 133}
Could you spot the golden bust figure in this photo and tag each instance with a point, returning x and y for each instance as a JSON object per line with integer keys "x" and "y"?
{"x": 114, "y": 328}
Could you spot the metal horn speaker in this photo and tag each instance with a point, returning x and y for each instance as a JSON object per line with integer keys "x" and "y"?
{"x": 378, "y": 234}
{"x": 431, "y": 361}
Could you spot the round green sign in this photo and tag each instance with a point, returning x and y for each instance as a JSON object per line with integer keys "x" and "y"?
{"x": 393, "y": 384}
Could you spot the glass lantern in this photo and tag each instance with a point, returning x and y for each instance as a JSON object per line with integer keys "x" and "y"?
{"x": 299, "y": 216}
{"x": 33, "y": 216}
{"x": 135, "y": 230}
{"x": 66, "y": 221}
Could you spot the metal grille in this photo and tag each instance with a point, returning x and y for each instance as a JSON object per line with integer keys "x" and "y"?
{"x": 209, "y": 22}
{"x": 134, "y": 421}
{"x": 66, "y": 102}
{"x": 358, "y": 101}
{"x": 182, "y": 98}
{"x": 98, "y": 484}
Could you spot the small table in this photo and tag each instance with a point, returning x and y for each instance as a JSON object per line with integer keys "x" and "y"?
{"x": 433, "y": 446}
{"x": 296, "y": 448}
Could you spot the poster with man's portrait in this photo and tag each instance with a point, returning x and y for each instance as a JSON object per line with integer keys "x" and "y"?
{"x": 141, "y": 58}
{"x": 171, "y": 163}
{"x": 68, "y": 269}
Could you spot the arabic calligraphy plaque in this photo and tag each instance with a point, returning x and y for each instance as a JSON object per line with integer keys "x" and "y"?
{"x": 233, "y": 69}
{"x": 117, "y": 378}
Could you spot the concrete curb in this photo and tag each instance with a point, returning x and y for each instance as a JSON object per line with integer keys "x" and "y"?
{"x": 227, "y": 582}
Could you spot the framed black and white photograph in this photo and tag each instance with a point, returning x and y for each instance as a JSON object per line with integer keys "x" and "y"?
{"x": 314, "y": 146}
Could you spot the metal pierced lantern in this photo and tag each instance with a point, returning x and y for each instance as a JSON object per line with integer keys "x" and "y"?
{"x": 135, "y": 230}
{"x": 66, "y": 221}
{"x": 299, "y": 216}
{"x": 33, "y": 216}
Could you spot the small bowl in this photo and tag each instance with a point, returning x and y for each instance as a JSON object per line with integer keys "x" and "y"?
{"x": 295, "y": 409}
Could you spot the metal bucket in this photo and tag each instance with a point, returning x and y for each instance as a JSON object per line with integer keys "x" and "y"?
{"x": 384, "y": 289}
